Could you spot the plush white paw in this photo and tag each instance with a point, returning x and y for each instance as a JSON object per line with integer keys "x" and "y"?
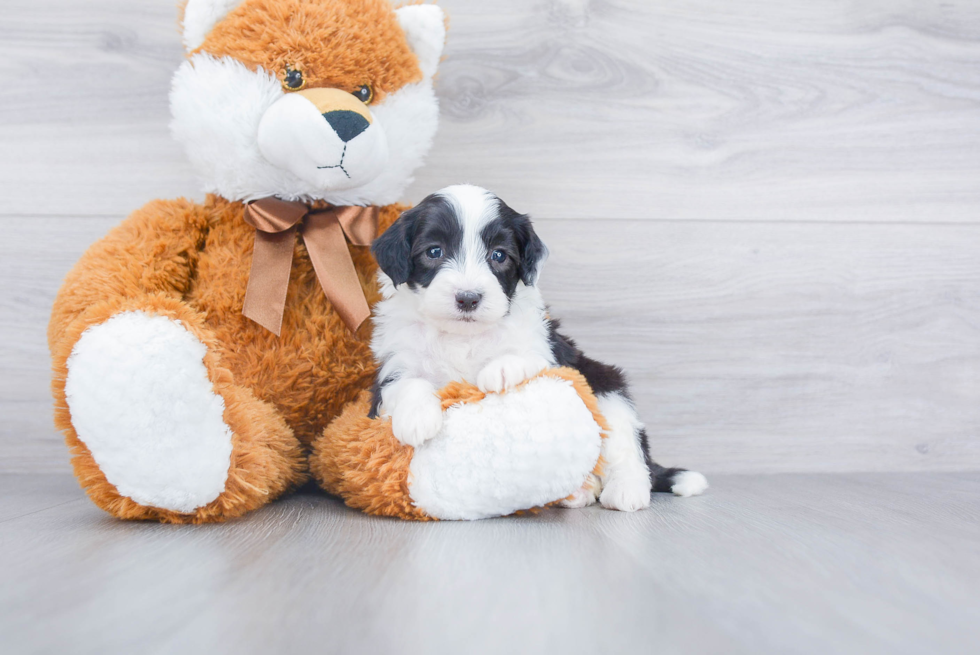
{"x": 626, "y": 493}
{"x": 141, "y": 401}
{"x": 507, "y": 452}
{"x": 689, "y": 483}
{"x": 508, "y": 371}
{"x": 581, "y": 498}
{"x": 416, "y": 415}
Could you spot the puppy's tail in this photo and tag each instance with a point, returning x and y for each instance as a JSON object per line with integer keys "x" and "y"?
{"x": 679, "y": 482}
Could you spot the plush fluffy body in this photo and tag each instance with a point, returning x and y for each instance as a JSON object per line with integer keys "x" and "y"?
{"x": 177, "y": 407}
{"x": 458, "y": 277}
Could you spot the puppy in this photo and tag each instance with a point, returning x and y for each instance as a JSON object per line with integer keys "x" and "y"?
{"x": 460, "y": 301}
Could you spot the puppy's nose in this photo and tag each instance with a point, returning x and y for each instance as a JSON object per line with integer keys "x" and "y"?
{"x": 347, "y": 124}
{"x": 467, "y": 301}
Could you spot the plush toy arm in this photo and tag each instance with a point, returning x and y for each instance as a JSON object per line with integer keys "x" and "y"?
{"x": 496, "y": 454}
{"x": 152, "y": 254}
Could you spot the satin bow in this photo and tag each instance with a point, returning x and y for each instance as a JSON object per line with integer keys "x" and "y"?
{"x": 325, "y": 231}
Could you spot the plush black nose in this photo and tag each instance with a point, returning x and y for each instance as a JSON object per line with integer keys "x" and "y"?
{"x": 466, "y": 301}
{"x": 347, "y": 124}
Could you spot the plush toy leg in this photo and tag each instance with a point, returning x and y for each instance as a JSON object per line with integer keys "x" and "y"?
{"x": 158, "y": 429}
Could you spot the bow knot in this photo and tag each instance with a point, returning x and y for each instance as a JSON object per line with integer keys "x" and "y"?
{"x": 325, "y": 230}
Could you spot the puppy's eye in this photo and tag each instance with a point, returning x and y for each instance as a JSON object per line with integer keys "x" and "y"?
{"x": 434, "y": 252}
{"x": 292, "y": 80}
{"x": 365, "y": 94}
{"x": 498, "y": 256}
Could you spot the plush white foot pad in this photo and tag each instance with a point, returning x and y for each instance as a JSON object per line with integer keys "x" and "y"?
{"x": 141, "y": 401}
{"x": 521, "y": 449}
{"x": 583, "y": 497}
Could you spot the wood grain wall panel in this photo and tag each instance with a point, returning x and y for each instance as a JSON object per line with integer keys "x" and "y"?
{"x": 779, "y": 347}
{"x": 716, "y": 110}
{"x": 765, "y": 211}
{"x": 620, "y": 109}
{"x": 751, "y": 346}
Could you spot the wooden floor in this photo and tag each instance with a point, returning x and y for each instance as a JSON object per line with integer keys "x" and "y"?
{"x": 877, "y": 563}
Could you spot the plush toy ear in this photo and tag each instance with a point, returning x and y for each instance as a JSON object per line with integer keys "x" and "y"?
{"x": 425, "y": 28}
{"x": 393, "y": 249}
{"x": 200, "y": 16}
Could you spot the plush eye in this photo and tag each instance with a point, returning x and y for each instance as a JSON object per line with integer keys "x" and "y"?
{"x": 435, "y": 252}
{"x": 498, "y": 256}
{"x": 365, "y": 94}
{"x": 292, "y": 80}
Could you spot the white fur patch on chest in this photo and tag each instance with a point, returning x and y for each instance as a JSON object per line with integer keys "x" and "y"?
{"x": 405, "y": 343}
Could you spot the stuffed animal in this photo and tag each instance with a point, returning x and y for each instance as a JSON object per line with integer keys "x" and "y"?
{"x": 200, "y": 349}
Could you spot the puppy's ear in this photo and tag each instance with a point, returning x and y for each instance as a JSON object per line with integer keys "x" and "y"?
{"x": 533, "y": 252}
{"x": 393, "y": 249}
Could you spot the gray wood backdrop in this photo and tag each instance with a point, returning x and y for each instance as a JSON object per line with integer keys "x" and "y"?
{"x": 767, "y": 212}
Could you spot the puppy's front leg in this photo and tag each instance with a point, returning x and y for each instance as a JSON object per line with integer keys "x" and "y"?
{"x": 508, "y": 371}
{"x": 415, "y": 410}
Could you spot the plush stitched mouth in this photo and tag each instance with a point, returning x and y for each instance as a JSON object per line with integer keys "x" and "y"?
{"x": 340, "y": 165}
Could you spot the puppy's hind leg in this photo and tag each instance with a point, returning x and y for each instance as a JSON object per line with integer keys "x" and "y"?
{"x": 626, "y": 481}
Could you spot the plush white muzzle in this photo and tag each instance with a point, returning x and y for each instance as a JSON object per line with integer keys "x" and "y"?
{"x": 295, "y": 135}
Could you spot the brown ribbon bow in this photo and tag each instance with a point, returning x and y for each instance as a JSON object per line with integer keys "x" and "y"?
{"x": 323, "y": 230}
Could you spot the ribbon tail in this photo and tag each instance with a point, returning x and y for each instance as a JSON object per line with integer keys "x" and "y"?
{"x": 268, "y": 280}
{"x": 327, "y": 246}
{"x": 360, "y": 224}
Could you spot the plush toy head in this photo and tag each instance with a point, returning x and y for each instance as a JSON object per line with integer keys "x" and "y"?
{"x": 307, "y": 99}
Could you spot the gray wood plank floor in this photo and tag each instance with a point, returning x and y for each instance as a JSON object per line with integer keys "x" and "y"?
{"x": 876, "y": 563}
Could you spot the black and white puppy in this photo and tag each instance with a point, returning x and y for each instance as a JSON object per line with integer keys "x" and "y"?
{"x": 460, "y": 302}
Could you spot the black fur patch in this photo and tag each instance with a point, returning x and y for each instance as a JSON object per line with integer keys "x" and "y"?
{"x": 402, "y": 251}
{"x": 603, "y": 378}
{"x": 376, "y": 388}
{"x": 513, "y": 234}
{"x": 375, "y": 399}
{"x": 661, "y": 478}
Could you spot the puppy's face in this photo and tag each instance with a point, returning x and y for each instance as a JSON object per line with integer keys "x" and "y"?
{"x": 463, "y": 254}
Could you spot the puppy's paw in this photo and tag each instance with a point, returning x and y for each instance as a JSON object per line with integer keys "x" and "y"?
{"x": 417, "y": 417}
{"x": 626, "y": 494}
{"x": 508, "y": 371}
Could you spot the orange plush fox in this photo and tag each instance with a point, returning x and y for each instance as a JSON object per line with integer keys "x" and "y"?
{"x": 200, "y": 349}
{"x": 175, "y": 404}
